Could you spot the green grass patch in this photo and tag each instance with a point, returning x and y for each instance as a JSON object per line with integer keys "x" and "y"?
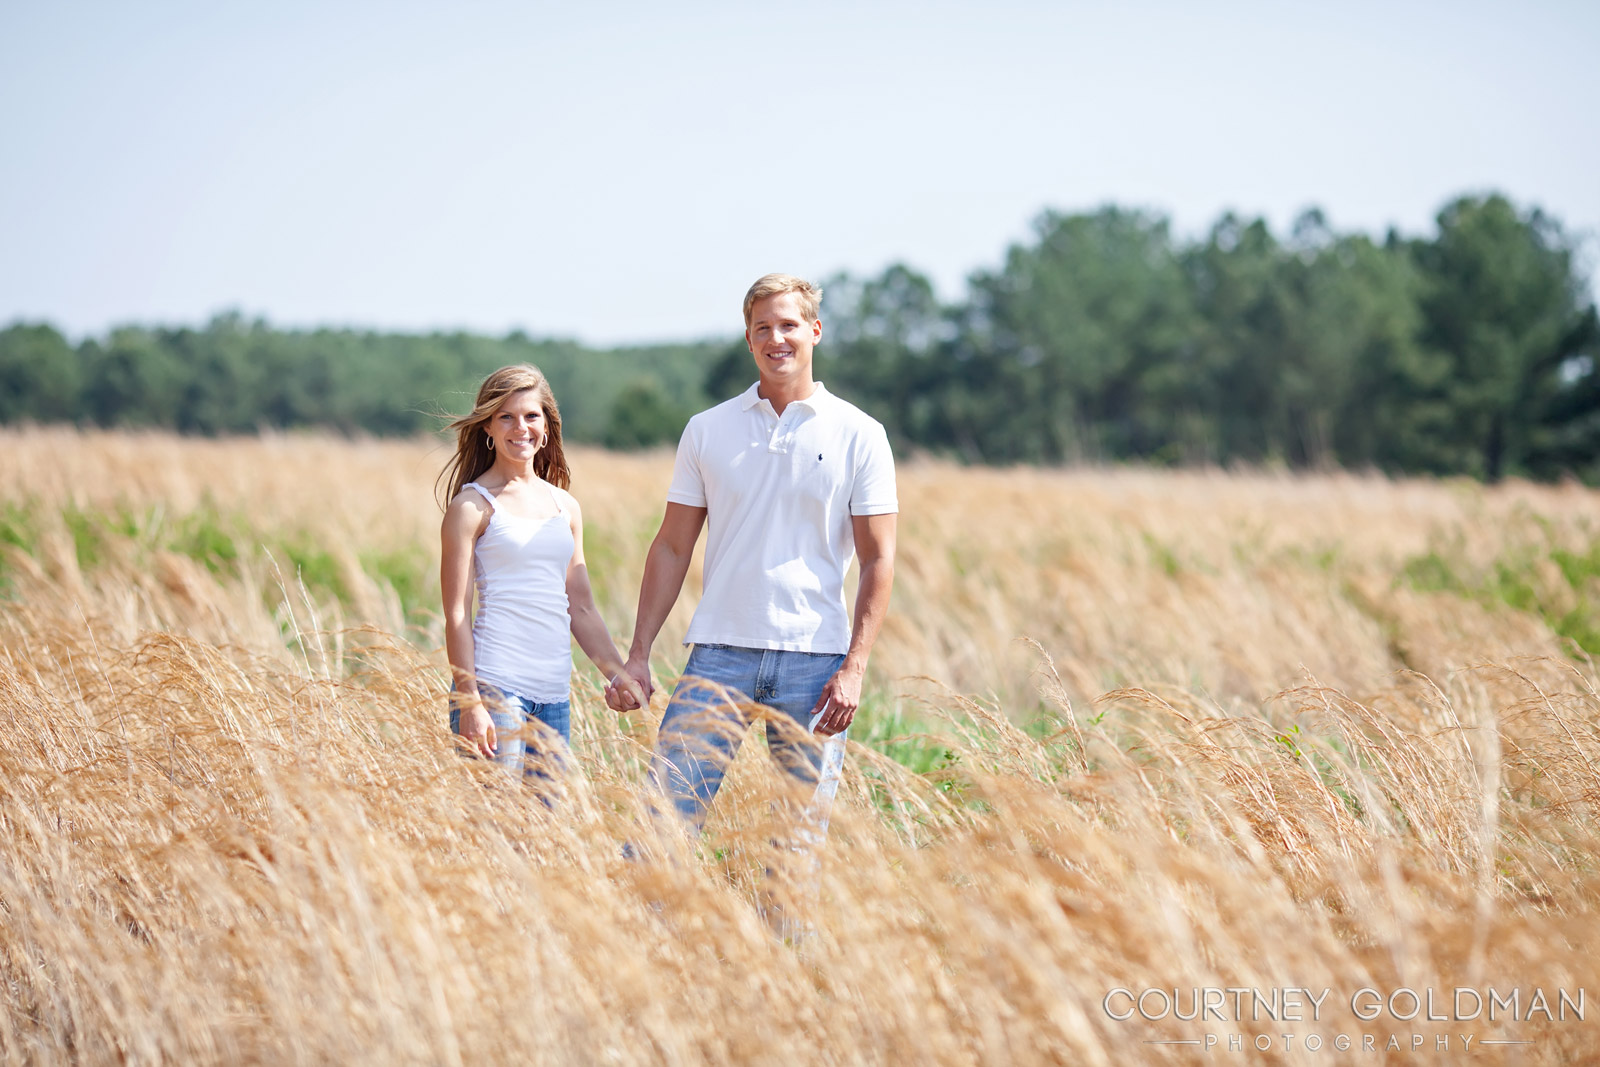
{"x": 408, "y": 572}
{"x": 1162, "y": 555}
{"x": 211, "y": 539}
{"x": 18, "y": 533}
{"x": 1519, "y": 579}
{"x": 88, "y": 530}
{"x": 17, "y": 527}
{"x": 882, "y": 725}
{"x": 313, "y": 565}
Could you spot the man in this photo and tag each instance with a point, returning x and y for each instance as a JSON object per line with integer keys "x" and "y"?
{"x": 792, "y": 482}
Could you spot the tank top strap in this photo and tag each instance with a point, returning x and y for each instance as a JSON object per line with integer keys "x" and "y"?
{"x": 485, "y": 493}
{"x": 561, "y": 509}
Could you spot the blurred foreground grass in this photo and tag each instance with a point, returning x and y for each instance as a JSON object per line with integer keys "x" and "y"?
{"x": 1125, "y": 729}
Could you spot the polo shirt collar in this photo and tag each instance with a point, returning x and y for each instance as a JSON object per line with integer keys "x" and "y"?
{"x": 819, "y": 399}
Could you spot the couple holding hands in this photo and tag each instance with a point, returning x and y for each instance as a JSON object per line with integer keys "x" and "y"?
{"x": 790, "y": 482}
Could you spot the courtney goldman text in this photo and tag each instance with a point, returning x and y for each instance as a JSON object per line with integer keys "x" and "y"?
{"x": 1239, "y": 1004}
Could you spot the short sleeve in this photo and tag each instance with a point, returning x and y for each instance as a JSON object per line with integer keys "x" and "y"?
{"x": 874, "y": 489}
{"x": 688, "y": 483}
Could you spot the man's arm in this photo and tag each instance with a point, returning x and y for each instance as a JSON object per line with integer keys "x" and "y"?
{"x": 874, "y": 536}
{"x": 665, "y": 567}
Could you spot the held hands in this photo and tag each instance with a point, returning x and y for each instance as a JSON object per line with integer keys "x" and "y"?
{"x": 839, "y": 700}
{"x": 631, "y": 688}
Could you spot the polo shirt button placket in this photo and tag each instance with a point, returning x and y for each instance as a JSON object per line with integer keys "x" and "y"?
{"x": 778, "y": 443}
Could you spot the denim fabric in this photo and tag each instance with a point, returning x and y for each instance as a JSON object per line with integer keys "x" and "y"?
{"x": 710, "y": 712}
{"x": 523, "y": 747}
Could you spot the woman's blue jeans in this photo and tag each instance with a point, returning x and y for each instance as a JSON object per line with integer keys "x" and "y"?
{"x": 711, "y": 710}
{"x": 522, "y": 746}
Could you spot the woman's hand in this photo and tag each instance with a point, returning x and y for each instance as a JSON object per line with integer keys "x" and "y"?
{"x": 476, "y": 725}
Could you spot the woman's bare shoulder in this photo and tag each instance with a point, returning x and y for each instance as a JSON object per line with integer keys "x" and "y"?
{"x": 467, "y": 506}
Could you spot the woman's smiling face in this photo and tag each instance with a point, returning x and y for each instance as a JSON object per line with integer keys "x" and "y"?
{"x": 518, "y": 427}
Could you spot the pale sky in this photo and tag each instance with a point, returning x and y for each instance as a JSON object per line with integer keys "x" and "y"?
{"x": 621, "y": 172}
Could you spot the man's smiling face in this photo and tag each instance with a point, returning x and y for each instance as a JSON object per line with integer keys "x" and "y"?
{"x": 781, "y": 338}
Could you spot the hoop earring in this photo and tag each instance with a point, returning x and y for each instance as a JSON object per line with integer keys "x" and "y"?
{"x": 489, "y": 441}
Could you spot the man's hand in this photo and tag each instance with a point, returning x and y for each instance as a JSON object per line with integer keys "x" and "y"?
{"x": 839, "y": 700}
{"x": 874, "y": 535}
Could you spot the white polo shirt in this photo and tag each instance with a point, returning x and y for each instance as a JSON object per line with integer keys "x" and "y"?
{"x": 779, "y": 494}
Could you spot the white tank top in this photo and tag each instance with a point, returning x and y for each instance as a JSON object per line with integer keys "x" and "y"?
{"x": 520, "y": 635}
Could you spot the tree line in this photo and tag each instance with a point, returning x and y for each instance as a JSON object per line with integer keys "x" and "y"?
{"x": 238, "y": 376}
{"x": 1474, "y": 350}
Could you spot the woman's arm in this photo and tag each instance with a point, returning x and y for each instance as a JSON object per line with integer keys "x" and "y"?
{"x": 464, "y": 520}
{"x": 588, "y": 627}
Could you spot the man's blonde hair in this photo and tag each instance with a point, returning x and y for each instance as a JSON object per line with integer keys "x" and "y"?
{"x": 773, "y": 284}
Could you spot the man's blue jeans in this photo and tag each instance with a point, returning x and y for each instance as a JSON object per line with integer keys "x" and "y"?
{"x": 710, "y": 712}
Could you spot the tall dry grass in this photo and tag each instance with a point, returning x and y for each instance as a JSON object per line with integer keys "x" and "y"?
{"x": 1171, "y": 731}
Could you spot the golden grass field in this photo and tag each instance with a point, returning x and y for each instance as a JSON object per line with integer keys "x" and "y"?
{"x": 1125, "y": 729}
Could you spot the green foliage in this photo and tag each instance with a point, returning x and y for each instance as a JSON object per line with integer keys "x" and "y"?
{"x": 135, "y": 380}
{"x": 1475, "y": 350}
{"x": 729, "y": 372}
{"x": 885, "y": 346}
{"x": 1502, "y": 302}
{"x": 40, "y": 375}
{"x": 642, "y": 416}
{"x": 235, "y": 376}
{"x": 1073, "y": 349}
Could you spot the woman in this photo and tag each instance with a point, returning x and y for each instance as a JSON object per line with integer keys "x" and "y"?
{"x": 514, "y": 535}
